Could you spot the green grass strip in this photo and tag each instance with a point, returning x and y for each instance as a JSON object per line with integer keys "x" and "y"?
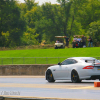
{"x": 12, "y": 56}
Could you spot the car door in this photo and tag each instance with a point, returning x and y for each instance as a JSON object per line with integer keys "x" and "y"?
{"x": 62, "y": 70}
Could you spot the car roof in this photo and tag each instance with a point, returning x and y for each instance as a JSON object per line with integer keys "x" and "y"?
{"x": 82, "y": 58}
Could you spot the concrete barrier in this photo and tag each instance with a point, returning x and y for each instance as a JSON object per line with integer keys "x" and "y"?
{"x": 37, "y": 69}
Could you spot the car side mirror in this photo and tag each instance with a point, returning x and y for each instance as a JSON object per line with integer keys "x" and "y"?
{"x": 59, "y": 63}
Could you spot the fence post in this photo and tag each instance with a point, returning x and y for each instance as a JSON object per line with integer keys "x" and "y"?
{"x": 12, "y": 60}
{"x": 46, "y": 60}
{"x": 23, "y": 61}
{"x": 2, "y": 61}
{"x": 35, "y": 60}
{"x": 58, "y": 59}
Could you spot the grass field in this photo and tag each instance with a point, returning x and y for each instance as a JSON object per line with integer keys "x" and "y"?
{"x": 12, "y": 56}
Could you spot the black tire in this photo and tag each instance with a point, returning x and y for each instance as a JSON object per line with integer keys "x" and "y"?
{"x": 75, "y": 77}
{"x": 61, "y": 46}
{"x": 56, "y": 47}
{"x": 49, "y": 76}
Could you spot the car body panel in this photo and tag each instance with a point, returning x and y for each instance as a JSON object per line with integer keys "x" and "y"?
{"x": 59, "y": 44}
{"x": 60, "y": 72}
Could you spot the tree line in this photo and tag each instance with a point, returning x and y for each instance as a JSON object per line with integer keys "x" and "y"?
{"x": 30, "y": 23}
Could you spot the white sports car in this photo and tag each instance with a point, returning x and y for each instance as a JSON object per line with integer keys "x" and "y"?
{"x": 75, "y": 69}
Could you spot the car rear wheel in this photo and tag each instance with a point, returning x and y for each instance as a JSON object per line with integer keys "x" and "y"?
{"x": 49, "y": 76}
{"x": 75, "y": 77}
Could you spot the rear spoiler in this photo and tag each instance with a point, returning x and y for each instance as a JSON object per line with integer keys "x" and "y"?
{"x": 92, "y": 60}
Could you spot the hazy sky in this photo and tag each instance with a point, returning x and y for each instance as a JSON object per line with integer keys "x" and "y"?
{"x": 43, "y": 1}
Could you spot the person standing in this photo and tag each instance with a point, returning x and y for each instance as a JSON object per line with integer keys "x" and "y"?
{"x": 90, "y": 42}
{"x": 74, "y": 39}
{"x": 74, "y": 42}
{"x": 79, "y": 41}
{"x": 83, "y": 41}
{"x": 67, "y": 41}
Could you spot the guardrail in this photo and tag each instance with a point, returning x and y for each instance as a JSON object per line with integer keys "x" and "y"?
{"x": 32, "y": 60}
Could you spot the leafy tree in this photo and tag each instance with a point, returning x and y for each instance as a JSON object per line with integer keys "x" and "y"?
{"x": 31, "y": 16}
{"x": 11, "y": 22}
{"x": 49, "y": 24}
{"x": 94, "y": 32}
{"x": 5, "y": 38}
{"x": 30, "y": 4}
{"x": 30, "y": 37}
{"x": 28, "y": 23}
{"x": 65, "y": 12}
{"x": 88, "y": 12}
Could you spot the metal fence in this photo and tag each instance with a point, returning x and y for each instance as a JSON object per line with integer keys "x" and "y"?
{"x": 33, "y": 60}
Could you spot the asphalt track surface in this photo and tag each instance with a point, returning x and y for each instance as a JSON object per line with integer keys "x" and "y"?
{"x": 38, "y": 87}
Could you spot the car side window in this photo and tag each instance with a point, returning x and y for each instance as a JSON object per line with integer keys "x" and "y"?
{"x": 74, "y": 61}
{"x": 65, "y": 62}
{"x": 69, "y": 61}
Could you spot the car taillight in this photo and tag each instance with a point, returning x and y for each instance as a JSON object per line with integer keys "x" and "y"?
{"x": 88, "y": 67}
